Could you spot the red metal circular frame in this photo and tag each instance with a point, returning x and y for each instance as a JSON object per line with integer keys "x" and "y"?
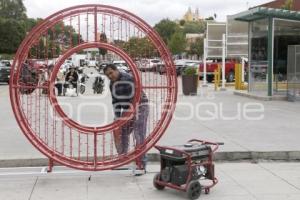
{"x": 115, "y": 124}
{"x": 22, "y": 53}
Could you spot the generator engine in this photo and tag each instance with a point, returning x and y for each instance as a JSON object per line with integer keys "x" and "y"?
{"x": 175, "y": 169}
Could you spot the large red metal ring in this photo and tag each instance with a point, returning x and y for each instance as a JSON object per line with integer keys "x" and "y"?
{"x": 23, "y": 121}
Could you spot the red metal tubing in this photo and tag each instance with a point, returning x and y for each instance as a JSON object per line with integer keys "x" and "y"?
{"x": 216, "y": 145}
{"x": 116, "y": 123}
{"x": 33, "y": 39}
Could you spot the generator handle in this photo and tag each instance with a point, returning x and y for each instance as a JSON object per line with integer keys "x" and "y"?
{"x": 172, "y": 149}
{"x": 215, "y": 144}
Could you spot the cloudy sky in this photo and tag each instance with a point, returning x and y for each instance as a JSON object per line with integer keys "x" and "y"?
{"x": 150, "y": 10}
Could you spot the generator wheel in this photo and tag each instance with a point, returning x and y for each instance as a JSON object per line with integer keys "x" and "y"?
{"x": 194, "y": 190}
{"x": 156, "y": 185}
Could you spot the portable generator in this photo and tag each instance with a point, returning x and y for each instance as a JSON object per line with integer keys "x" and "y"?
{"x": 183, "y": 166}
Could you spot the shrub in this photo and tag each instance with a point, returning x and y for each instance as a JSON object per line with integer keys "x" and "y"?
{"x": 190, "y": 71}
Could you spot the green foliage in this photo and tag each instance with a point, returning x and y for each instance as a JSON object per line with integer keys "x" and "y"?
{"x": 12, "y": 33}
{"x": 12, "y": 9}
{"x": 103, "y": 38}
{"x": 76, "y": 39}
{"x": 6, "y": 56}
{"x": 30, "y": 23}
{"x": 194, "y": 27}
{"x": 174, "y": 35}
{"x": 182, "y": 22}
{"x": 14, "y": 25}
{"x": 210, "y": 18}
{"x": 177, "y": 44}
{"x": 139, "y": 47}
{"x": 190, "y": 71}
{"x": 196, "y": 48}
{"x": 166, "y": 28}
{"x": 58, "y": 38}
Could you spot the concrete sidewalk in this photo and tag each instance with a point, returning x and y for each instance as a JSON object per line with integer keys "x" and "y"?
{"x": 275, "y": 137}
{"x": 237, "y": 181}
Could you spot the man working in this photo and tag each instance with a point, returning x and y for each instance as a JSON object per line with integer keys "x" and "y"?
{"x": 122, "y": 91}
{"x": 72, "y": 77}
{"x": 71, "y": 82}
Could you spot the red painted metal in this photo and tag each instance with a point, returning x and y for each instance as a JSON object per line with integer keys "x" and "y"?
{"x": 74, "y": 124}
{"x": 38, "y": 112}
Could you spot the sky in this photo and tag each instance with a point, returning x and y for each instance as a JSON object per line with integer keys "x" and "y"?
{"x": 152, "y": 11}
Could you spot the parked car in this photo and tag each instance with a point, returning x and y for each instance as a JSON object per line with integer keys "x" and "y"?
{"x": 5, "y": 71}
{"x": 148, "y": 65}
{"x": 7, "y": 63}
{"x": 123, "y": 68}
{"x": 92, "y": 63}
{"x": 101, "y": 66}
{"x": 181, "y": 65}
{"x": 142, "y": 65}
{"x": 160, "y": 67}
{"x": 119, "y": 62}
{"x": 211, "y": 67}
{"x": 122, "y": 65}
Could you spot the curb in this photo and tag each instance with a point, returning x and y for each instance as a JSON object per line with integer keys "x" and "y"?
{"x": 259, "y": 97}
{"x": 286, "y": 156}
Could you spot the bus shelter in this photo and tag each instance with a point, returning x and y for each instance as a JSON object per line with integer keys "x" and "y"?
{"x": 271, "y": 32}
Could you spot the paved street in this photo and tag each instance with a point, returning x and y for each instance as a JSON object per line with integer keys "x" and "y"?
{"x": 276, "y": 132}
{"x": 238, "y": 181}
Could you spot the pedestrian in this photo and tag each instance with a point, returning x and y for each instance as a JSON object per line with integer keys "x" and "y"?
{"x": 122, "y": 90}
{"x": 71, "y": 79}
{"x": 59, "y": 82}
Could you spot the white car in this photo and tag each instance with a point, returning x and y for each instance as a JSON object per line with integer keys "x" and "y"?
{"x": 92, "y": 63}
{"x": 121, "y": 65}
{"x": 181, "y": 65}
{"x": 123, "y": 68}
{"x": 148, "y": 65}
{"x": 120, "y": 62}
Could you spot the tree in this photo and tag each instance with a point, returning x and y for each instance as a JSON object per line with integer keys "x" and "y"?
{"x": 288, "y": 5}
{"x": 139, "y": 47}
{"x": 177, "y": 43}
{"x": 12, "y": 33}
{"x": 196, "y": 48}
{"x": 52, "y": 43}
{"x": 194, "y": 27}
{"x": 182, "y": 22}
{"x": 103, "y": 38}
{"x": 12, "y": 9}
{"x": 210, "y": 18}
{"x": 30, "y": 23}
{"x": 14, "y": 25}
{"x": 166, "y": 28}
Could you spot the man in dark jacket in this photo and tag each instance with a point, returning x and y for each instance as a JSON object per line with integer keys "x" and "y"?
{"x": 122, "y": 90}
{"x": 71, "y": 77}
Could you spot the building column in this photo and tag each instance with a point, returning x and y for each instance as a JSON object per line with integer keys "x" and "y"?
{"x": 270, "y": 56}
